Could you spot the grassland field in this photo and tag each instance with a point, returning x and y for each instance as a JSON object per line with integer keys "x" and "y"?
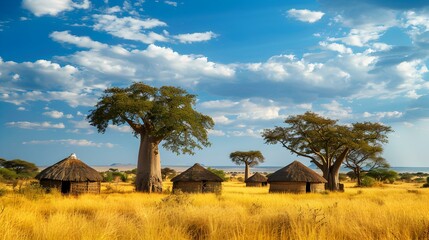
{"x": 391, "y": 211}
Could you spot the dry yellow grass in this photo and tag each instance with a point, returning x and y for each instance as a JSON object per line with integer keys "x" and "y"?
{"x": 393, "y": 212}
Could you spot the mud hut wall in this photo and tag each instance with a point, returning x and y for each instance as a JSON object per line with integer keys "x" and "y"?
{"x": 47, "y": 183}
{"x": 197, "y": 187}
{"x": 189, "y": 187}
{"x": 317, "y": 187}
{"x": 85, "y": 187}
{"x": 293, "y": 187}
{"x": 213, "y": 187}
{"x": 253, "y": 184}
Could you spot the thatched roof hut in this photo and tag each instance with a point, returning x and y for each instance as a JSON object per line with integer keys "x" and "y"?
{"x": 197, "y": 179}
{"x": 256, "y": 180}
{"x": 71, "y": 176}
{"x": 296, "y": 178}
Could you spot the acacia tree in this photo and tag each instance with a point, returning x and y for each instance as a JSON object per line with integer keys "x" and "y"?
{"x": 249, "y": 159}
{"x": 155, "y": 115}
{"x": 325, "y": 142}
{"x": 367, "y": 156}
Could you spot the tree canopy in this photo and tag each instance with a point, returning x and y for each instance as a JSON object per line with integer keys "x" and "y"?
{"x": 249, "y": 159}
{"x": 325, "y": 142}
{"x": 155, "y": 115}
{"x": 164, "y": 113}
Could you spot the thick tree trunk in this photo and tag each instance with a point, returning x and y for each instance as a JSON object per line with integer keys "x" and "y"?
{"x": 331, "y": 175}
{"x": 246, "y": 172}
{"x": 148, "y": 177}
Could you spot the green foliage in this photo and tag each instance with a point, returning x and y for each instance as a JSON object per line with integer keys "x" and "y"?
{"x": 113, "y": 174}
{"x": 368, "y": 181}
{"x": 426, "y": 185}
{"x": 164, "y": 114}
{"x": 351, "y": 175}
{"x": 219, "y": 172}
{"x": 325, "y": 142}
{"x": 250, "y": 158}
{"x": 343, "y": 177}
{"x": 405, "y": 176}
{"x": 168, "y": 173}
{"x": 21, "y": 167}
{"x": 16, "y": 169}
{"x": 383, "y": 175}
{"x": 132, "y": 171}
{"x": 7, "y": 174}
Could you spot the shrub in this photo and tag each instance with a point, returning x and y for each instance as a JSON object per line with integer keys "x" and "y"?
{"x": 343, "y": 177}
{"x": 383, "y": 175}
{"x": 368, "y": 181}
{"x": 426, "y": 185}
{"x": 7, "y": 174}
{"x": 220, "y": 173}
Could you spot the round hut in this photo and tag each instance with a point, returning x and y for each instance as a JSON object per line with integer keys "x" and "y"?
{"x": 197, "y": 179}
{"x": 256, "y": 180}
{"x": 71, "y": 176}
{"x": 296, "y": 178}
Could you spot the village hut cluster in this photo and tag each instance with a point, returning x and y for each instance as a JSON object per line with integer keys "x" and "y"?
{"x": 72, "y": 176}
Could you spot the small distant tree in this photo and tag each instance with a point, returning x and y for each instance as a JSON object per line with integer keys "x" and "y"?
{"x": 7, "y": 174}
{"x": 168, "y": 173}
{"x": 249, "y": 159}
{"x": 367, "y": 156}
{"x": 22, "y": 168}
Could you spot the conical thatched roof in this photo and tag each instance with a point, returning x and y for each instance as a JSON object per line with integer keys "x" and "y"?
{"x": 196, "y": 173}
{"x": 257, "y": 178}
{"x": 296, "y": 172}
{"x": 70, "y": 169}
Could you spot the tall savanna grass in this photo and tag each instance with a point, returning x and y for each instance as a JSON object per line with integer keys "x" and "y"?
{"x": 394, "y": 212}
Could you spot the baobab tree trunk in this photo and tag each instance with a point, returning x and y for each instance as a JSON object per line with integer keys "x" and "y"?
{"x": 148, "y": 177}
{"x": 331, "y": 175}
{"x": 246, "y": 172}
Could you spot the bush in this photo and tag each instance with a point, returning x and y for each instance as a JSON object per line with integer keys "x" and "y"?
{"x": 343, "y": 177}
{"x": 111, "y": 176}
{"x": 368, "y": 181}
{"x": 426, "y": 185}
{"x": 383, "y": 175}
{"x": 220, "y": 173}
{"x": 7, "y": 174}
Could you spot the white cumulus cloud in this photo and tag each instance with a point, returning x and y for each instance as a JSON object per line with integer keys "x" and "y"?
{"x": 84, "y": 42}
{"x": 195, "y": 37}
{"x": 72, "y": 142}
{"x": 53, "y": 8}
{"x": 305, "y": 15}
{"x": 36, "y": 125}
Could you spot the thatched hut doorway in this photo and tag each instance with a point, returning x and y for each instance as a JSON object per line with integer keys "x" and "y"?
{"x": 307, "y": 187}
{"x": 65, "y": 187}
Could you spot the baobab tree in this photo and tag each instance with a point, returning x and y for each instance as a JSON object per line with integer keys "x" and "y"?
{"x": 155, "y": 115}
{"x": 325, "y": 142}
{"x": 249, "y": 159}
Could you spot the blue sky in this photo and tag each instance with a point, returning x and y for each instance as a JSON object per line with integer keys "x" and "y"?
{"x": 251, "y": 63}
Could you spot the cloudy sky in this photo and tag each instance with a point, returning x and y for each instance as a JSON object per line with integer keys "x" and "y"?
{"x": 251, "y": 63}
